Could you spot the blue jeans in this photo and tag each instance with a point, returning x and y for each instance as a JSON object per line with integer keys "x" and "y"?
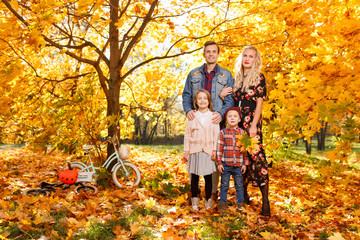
{"x": 225, "y": 182}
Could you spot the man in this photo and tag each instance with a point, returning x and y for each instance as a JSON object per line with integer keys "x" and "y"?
{"x": 212, "y": 78}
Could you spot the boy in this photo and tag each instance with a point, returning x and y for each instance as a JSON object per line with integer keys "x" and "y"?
{"x": 231, "y": 161}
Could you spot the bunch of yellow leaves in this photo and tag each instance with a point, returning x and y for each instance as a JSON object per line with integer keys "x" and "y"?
{"x": 247, "y": 144}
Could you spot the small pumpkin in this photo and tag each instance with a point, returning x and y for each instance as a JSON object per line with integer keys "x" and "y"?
{"x": 68, "y": 176}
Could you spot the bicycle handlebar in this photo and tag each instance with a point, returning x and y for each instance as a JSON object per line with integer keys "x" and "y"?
{"x": 114, "y": 138}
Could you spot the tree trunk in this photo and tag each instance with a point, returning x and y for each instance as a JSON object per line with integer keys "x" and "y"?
{"x": 113, "y": 106}
{"x": 166, "y": 132}
{"x": 308, "y": 147}
{"x": 318, "y": 140}
{"x": 137, "y": 133}
{"x": 143, "y": 136}
{"x": 321, "y": 136}
{"x": 153, "y": 131}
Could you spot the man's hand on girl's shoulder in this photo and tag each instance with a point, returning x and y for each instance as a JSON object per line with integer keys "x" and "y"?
{"x": 216, "y": 118}
{"x": 191, "y": 115}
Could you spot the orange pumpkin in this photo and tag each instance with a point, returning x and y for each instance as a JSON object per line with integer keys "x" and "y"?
{"x": 68, "y": 176}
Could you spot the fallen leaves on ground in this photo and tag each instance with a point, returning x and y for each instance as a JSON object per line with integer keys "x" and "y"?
{"x": 308, "y": 201}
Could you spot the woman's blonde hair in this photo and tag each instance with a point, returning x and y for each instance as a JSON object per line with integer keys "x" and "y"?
{"x": 207, "y": 96}
{"x": 250, "y": 79}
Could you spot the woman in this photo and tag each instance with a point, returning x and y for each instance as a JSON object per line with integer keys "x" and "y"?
{"x": 249, "y": 93}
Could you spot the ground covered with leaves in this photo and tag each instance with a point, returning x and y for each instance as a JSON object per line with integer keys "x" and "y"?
{"x": 310, "y": 199}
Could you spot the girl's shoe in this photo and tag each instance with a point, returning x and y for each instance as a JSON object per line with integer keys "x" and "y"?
{"x": 195, "y": 203}
{"x": 209, "y": 203}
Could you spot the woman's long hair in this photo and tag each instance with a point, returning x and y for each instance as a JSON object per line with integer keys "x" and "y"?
{"x": 250, "y": 79}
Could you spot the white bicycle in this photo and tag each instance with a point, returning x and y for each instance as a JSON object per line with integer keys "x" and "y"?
{"x": 123, "y": 172}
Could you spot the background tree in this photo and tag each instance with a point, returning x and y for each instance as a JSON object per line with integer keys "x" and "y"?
{"x": 315, "y": 70}
{"x": 130, "y": 55}
{"x": 69, "y": 44}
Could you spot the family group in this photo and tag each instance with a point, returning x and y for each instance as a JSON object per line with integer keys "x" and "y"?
{"x": 219, "y": 108}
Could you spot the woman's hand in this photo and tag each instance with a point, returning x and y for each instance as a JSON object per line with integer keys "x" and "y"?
{"x": 243, "y": 169}
{"x": 213, "y": 155}
{"x": 225, "y": 91}
{"x": 252, "y": 130}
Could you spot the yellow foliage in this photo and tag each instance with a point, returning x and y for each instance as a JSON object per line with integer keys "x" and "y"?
{"x": 310, "y": 55}
{"x": 247, "y": 144}
{"x": 150, "y": 203}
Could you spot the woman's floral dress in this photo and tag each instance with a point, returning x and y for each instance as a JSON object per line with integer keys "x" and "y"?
{"x": 247, "y": 103}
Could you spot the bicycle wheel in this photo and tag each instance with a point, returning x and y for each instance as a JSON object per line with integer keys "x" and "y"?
{"x": 128, "y": 178}
{"x": 37, "y": 192}
{"x": 86, "y": 188}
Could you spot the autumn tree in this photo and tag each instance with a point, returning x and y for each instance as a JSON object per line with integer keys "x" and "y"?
{"x": 74, "y": 68}
{"x": 316, "y": 81}
{"x": 125, "y": 47}
{"x": 310, "y": 55}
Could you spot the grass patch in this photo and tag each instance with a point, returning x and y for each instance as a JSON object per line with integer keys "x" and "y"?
{"x": 323, "y": 236}
{"x": 104, "y": 231}
{"x": 17, "y": 233}
{"x": 9, "y": 146}
{"x": 59, "y": 223}
{"x": 145, "y": 212}
{"x": 163, "y": 187}
{"x": 162, "y": 148}
{"x": 330, "y": 144}
{"x": 98, "y": 231}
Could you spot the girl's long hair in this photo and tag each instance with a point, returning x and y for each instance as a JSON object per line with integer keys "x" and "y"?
{"x": 207, "y": 96}
{"x": 250, "y": 79}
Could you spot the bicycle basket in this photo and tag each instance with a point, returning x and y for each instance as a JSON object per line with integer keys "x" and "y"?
{"x": 68, "y": 176}
{"x": 124, "y": 152}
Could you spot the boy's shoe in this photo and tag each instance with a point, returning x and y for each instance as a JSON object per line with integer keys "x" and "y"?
{"x": 222, "y": 207}
{"x": 240, "y": 205}
{"x": 208, "y": 203}
{"x": 195, "y": 203}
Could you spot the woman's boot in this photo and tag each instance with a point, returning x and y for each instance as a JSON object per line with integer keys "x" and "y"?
{"x": 265, "y": 211}
{"x": 246, "y": 194}
{"x": 247, "y": 180}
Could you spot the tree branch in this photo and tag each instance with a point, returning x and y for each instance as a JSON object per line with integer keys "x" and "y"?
{"x": 8, "y": 5}
{"x": 124, "y": 39}
{"x": 157, "y": 58}
{"x": 139, "y": 106}
{"x": 138, "y": 34}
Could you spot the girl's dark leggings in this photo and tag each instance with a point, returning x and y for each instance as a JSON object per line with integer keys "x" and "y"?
{"x": 195, "y": 185}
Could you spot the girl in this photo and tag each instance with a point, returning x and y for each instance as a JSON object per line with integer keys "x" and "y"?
{"x": 200, "y": 147}
{"x": 249, "y": 93}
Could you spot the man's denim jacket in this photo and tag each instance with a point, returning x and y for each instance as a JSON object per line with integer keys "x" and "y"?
{"x": 195, "y": 81}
